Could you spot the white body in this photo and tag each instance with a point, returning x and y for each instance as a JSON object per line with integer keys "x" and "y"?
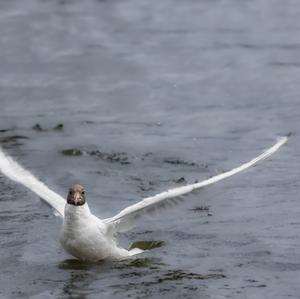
{"x": 86, "y": 237}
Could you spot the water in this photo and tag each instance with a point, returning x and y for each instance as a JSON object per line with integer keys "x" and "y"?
{"x": 153, "y": 94}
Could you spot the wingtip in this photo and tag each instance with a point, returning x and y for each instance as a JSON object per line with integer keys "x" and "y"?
{"x": 283, "y": 139}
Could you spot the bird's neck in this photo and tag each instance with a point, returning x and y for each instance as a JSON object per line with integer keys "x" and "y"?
{"x": 77, "y": 214}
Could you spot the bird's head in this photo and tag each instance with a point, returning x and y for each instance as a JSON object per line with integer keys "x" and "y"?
{"x": 76, "y": 195}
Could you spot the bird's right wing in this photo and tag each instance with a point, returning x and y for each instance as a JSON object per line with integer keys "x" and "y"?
{"x": 127, "y": 218}
{"x": 17, "y": 173}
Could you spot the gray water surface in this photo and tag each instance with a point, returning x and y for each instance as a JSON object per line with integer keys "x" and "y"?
{"x": 130, "y": 98}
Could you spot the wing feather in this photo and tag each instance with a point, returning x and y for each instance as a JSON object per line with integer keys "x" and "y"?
{"x": 17, "y": 173}
{"x": 127, "y": 218}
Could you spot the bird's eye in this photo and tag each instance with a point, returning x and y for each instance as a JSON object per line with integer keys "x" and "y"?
{"x": 70, "y": 192}
{"x": 82, "y": 192}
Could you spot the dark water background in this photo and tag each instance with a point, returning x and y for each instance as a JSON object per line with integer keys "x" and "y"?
{"x": 153, "y": 94}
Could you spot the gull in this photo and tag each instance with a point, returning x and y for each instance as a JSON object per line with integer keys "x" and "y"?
{"x": 89, "y": 238}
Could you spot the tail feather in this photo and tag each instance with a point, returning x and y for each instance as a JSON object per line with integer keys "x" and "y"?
{"x": 135, "y": 251}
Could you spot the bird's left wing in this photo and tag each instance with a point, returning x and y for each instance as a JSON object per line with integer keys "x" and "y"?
{"x": 17, "y": 173}
{"x": 127, "y": 218}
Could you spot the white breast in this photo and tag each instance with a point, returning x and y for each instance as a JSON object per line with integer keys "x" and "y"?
{"x": 84, "y": 236}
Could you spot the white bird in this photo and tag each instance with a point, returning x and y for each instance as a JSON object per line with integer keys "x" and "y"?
{"x": 89, "y": 238}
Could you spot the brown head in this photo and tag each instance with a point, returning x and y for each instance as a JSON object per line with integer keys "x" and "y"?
{"x": 76, "y": 195}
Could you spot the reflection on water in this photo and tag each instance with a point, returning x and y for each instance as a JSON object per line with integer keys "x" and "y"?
{"x": 74, "y": 264}
{"x": 152, "y": 271}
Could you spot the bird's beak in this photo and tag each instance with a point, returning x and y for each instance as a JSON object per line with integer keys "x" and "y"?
{"x": 77, "y": 198}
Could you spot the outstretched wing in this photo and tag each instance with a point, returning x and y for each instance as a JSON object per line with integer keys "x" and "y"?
{"x": 17, "y": 173}
{"x": 127, "y": 218}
